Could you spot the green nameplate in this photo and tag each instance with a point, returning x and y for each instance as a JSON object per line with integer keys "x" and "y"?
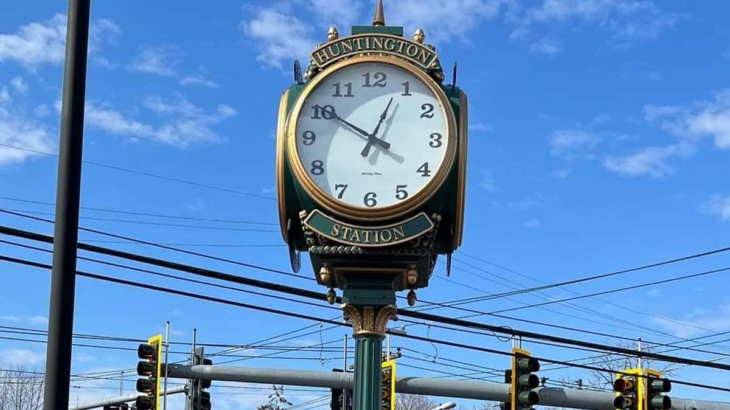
{"x": 373, "y": 236}
{"x": 417, "y": 53}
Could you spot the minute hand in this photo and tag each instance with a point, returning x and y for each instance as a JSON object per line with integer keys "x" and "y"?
{"x": 382, "y": 143}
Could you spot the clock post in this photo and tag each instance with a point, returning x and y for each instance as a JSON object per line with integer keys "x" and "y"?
{"x": 371, "y": 177}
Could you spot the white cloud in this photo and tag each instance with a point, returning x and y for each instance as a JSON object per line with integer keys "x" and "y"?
{"x": 532, "y": 224}
{"x": 34, "y": 320}
{"x": 628, "y": 21}
{"x": 22, "y": 357}
{"x": 279, "y": 36}
{"x": 282, "y": 33}
{"x": 182, "y": 123}
{"x": 19, "y": 85}
{"x": 702, "y": 119}
{"x": 155, "y": 60}
{"x": 25, "y": 134}
{"x": 197, "y": 79}
{"x": 480, "y": 127}
{"x": 340, "y": 13}
{"x": 487, "y": 182}
{"x": 5, "y": 95}
{"x": 698, "y": 322}
{"x": 529, "y": 202}
{"x": 39, "y": 43}
{"x": 717, "y": 205}
{"x": 442, "y": 20}
{"x": 572, "y": 143}
{"x": 654, "y": 292}
{"x": 651, "y": 161}
{"x": 546, "y": 45}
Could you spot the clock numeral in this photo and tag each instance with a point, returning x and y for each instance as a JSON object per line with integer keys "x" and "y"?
{"x": 338, "y": 93}
{"x": 379, "y": 80}
{"x": 323, "y": 111}
{"x": 407, "y": 87}
{"x": 317, "y": 167}
{"x": 423, "y": 169}
{"x": 427, "y": 110}
{"x": 400, "y": 192}
{"x": 369, "y": 199}
{"x": 343, "y": 187}
{"x": 309, "y": 137}
{"x": 435, "y": 140}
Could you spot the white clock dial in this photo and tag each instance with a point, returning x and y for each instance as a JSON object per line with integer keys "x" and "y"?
{"x": 336, "y": 152}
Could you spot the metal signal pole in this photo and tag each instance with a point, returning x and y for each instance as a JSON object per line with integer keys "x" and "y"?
{"x": 68, "y": 196}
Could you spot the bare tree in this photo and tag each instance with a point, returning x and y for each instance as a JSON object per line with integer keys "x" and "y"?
{"x": 277, "y": 401}
{"x": 21, "y": 389}
{"x": 613, "y": 363}
{"x": 413, "y": 402}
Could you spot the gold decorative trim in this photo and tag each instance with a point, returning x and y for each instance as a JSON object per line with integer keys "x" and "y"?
{"x": 461, "y": 185}
{"x": 358, "y": 212}
{"x": 280, "y": 164}
{"x": 367, "y": 322}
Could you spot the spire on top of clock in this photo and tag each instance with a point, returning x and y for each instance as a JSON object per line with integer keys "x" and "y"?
{"x": 379, "y": 18}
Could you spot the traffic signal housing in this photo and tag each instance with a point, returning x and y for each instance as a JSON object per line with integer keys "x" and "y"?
{"x": 341, "y": 398}
{"x": 655, "y": 387}
{"x": 387, "y": 390}
{"x": 197, "y": 396}
{"x": 523, "y": 380}
{"x": 627, "y": 387}
{"x": 151, "y": 367}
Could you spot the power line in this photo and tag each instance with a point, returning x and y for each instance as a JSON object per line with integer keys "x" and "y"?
{"x": 451, "y": 304}
{"x": 148, "y": 174}
{"x": 147, "y": 214}
{"x": 316, "y": 304}
{"x": 139, "y": 258}
{"x": 586, "y": 279}
{"x": 316, "y": 295}
{"x": 655, "y": 356}
{"x": 215, "y": 228}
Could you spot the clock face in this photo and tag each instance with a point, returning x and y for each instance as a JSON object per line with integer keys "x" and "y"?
{"x": 355, "y": 157}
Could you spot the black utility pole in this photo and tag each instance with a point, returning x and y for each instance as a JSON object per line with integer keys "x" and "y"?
{"x": 68, "y": 196}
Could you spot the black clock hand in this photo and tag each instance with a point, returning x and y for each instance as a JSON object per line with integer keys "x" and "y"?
{"x": 382, "y": 117}
{"x": 372, "y": 139}
{"x": 334, "y": 115}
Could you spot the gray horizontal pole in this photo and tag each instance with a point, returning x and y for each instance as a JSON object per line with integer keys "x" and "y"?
{"x": 118, "y": 400}
{"x": 549, "y": 396}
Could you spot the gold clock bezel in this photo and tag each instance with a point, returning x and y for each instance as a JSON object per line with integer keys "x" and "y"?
{"x": 361, "y": 212}
{"x": 281, "y": 164}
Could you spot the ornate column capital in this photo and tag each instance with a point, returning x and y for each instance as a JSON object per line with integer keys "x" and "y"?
{"x": 369, "y": 320}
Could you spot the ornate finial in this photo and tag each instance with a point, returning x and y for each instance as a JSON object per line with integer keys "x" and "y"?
{"x": 419, "y": 36}
{"x": 332, "y": 34}
{"x": 379, "y": 19}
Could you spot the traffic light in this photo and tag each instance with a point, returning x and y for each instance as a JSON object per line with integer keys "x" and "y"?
{"x": 507, "y": 405}
{"x": 387, "y": 390}
{"x": 197, "y": 397}
{"x": 523, "y": 380}
{"x": 655, "y": 386}
{"x": 340, "y": 401}
{"x": 151, "y": 368}
{"x": 628, "y": 391}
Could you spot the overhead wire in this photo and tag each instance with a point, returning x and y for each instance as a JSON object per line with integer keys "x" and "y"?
{"x": 408, "y": 336}
{"x": 317, "y": 295}
{"x": 172, "y": 265}
{"x": 203, "y": 255}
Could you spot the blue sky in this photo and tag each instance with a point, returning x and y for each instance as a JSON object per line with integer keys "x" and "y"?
{"x": 599, "y": 140}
